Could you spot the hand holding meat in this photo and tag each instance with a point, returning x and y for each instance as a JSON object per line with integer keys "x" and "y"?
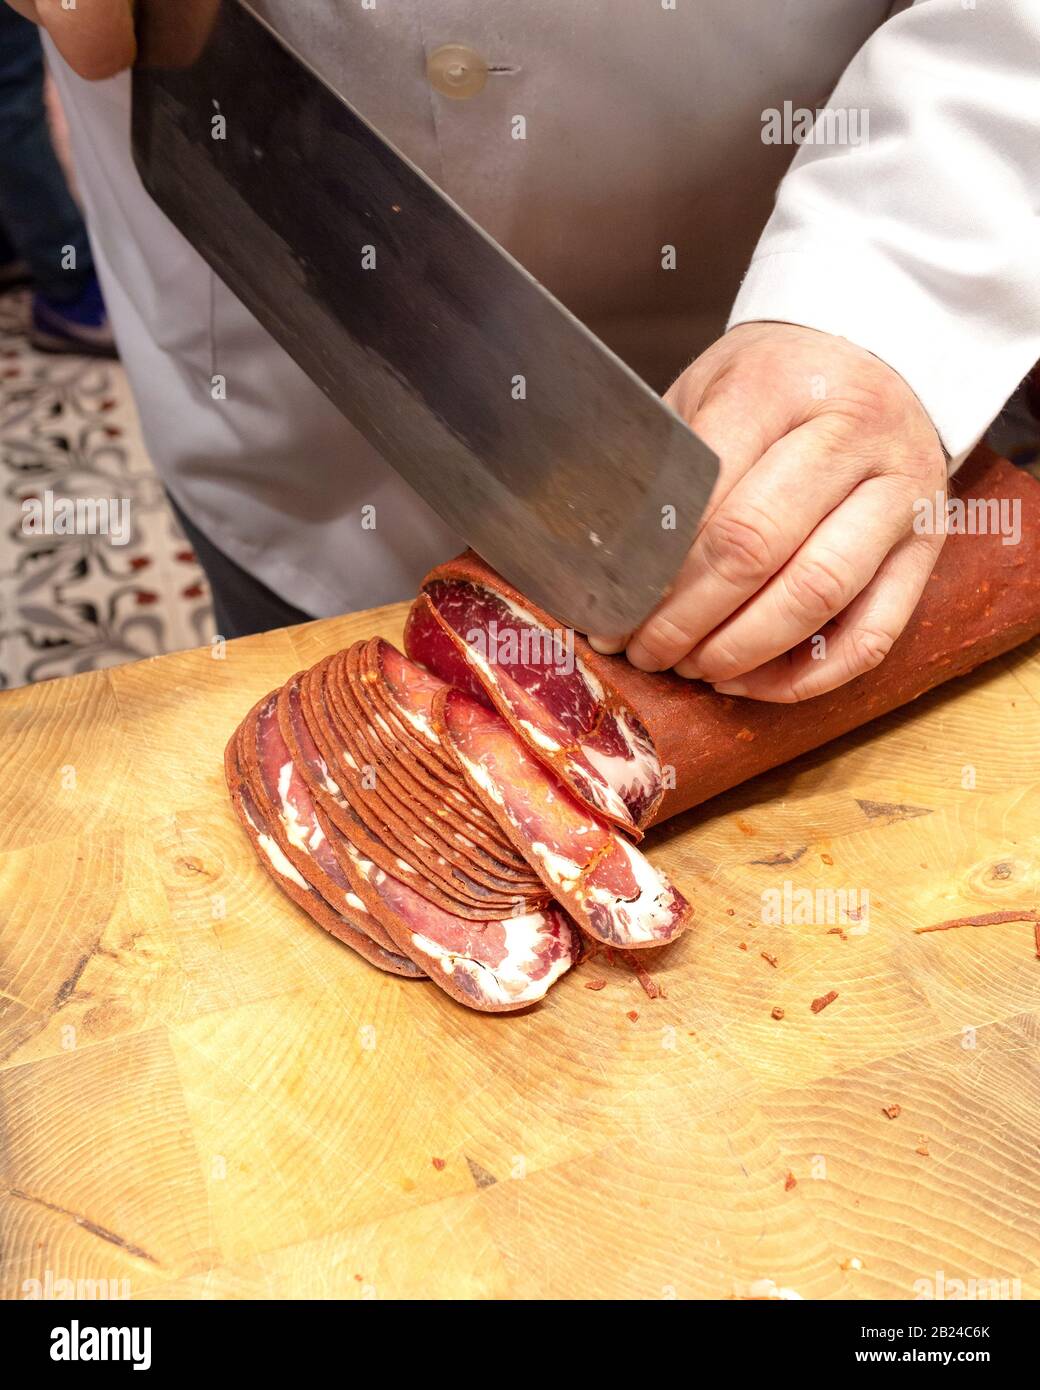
{"x": 824, "y": 450}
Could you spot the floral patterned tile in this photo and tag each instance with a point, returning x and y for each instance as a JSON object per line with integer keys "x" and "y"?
{"x": 78, "y": 602}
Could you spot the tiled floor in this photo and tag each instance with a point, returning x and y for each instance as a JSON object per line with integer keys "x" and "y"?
{"x": 78, "y": 602}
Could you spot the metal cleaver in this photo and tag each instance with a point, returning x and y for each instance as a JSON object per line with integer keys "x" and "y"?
{"x": 514, "y": 422}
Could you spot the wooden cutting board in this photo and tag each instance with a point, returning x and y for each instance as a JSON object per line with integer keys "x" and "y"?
{"x": 205, "y": 1096}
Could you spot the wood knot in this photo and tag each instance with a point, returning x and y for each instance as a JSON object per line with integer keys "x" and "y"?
{"x": 188, "y": 865}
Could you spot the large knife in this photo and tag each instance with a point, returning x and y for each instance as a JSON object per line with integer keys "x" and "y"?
{"x": 514, "y": 422}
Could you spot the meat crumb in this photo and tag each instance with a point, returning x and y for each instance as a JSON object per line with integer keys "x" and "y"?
{"x": 595, "y": 984}
{"x": 827, "y": 858}
{"x": 922, "y": 1148}
{"x": 789, "y": 1182}
{"x": 991, "y": 919}
{"x": 651, "y": 988}
{"x": 439, "y": 1163}
{"x": 854, "y": 1263}
{"x": 818, "y": 1005}
{"x": 633, "y": 1015}
{"x": 777, "y": 1013}
{"x": 743, "y": 946}
{"x": 892, "y": 1111}
{"x": 767, "y": 956}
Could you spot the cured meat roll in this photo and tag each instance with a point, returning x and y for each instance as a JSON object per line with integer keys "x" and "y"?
{"x": 664, "y": 744}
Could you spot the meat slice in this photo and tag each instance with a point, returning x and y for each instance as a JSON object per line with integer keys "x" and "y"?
{"x": 354, "y": 925}
{"x": 419, "y": 818}
{"x": 330, "y": 803}
{"x": 338, "y": 818}
{"x": 288, "y": 805}
{"x": 495, "y": 967}
{"x": 380, "y": 819}
{"x": 529, "y": 670}
{"x": 410, "y": 691}
{"x": 438, "y": 775}
{"x": 460, "y": 841}
{"x": 608, "y": 887}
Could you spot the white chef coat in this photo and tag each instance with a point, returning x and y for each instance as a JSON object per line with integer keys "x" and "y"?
{"x": 923, "y": 244}
{"x": 644, "y": 129}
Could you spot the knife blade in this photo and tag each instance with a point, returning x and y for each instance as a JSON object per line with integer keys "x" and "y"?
{"x": 527, "y": 435}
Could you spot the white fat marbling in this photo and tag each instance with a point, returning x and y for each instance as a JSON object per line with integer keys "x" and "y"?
{"x": 508, "y": 982}
{"x": 483, "y": 779}
{"x": 296, "y": 831}
{"x": 563, "y": 871}
{"x": 655, "y": 904}
{"x": 279, "y": 862}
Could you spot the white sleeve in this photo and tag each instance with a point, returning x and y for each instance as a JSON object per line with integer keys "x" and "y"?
{"x": 922, "y": 242}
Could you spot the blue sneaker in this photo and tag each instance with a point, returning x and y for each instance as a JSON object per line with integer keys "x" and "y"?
{"x": 75, "y": 326}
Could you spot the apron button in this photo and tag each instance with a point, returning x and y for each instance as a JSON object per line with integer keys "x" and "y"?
{"x": 456, "y": 71}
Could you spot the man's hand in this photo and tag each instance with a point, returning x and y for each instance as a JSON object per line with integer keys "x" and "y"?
{"x": 96, "y": 37}
{"x": 823, "y": 450}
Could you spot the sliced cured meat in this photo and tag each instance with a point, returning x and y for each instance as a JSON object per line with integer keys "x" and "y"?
{"x": 495, "y": 967}
{"x": 439, "y": 776}
{"x": 982, "y": 599}
{"x": 334, "y": 740}
{"x": 352, "y": 925}
{"x": 427, "y": 641}
{"x": 337, "y": 817}
{"x": 405, "y": 693}
{"x": 432, "y": 840}
{"x": 610, "y": 889}
{"x": 330, "y": 803}
{"x": 474, "y": 849}
{"x": 529, "y": 671}
{"x": 289, "y": 809}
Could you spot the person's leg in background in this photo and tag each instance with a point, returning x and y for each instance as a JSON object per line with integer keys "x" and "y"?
{"x": 13, "y": 270}
{"x": 40, "y": 221}
{"x": 241, "y": 604}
